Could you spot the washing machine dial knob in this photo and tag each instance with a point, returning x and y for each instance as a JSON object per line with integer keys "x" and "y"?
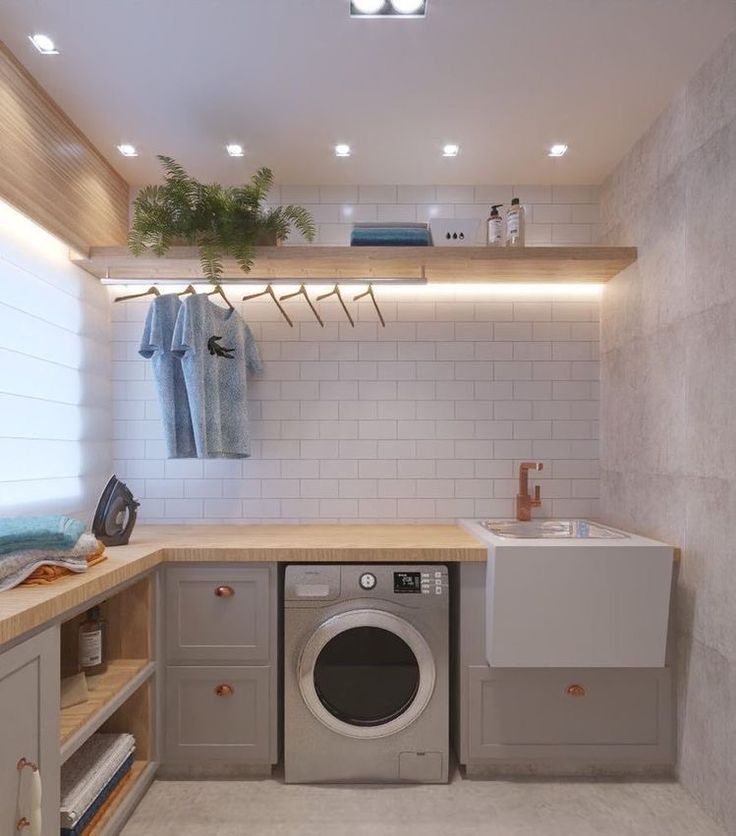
{"x": 367, "y": 580}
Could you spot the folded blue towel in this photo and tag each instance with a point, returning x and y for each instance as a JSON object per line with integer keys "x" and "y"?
{"x": 104, "y": 794}
{"x": 390, "y": 237}
{"x": 56, "y": 532}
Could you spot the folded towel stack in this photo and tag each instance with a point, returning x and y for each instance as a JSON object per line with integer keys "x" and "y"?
{"x": 390, "y": 235}
{"x": 58, "y": 544}
{"x": 90, "y": 777}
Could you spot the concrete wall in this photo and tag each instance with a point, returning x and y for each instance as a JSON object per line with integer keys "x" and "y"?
{"x": 668, "y": 397}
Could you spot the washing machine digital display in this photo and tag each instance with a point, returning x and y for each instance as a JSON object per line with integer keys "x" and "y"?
{"x": 408, "y": 582}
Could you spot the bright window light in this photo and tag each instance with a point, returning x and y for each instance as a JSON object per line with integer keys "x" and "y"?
{"x": 43, "y": 44}
{"x": 557, "y": 150}
{"x": 450, "y": 150}
{"x": 235, "y": 150}
{"x": 128, "y": 150}
{"x": 342, "y": 150}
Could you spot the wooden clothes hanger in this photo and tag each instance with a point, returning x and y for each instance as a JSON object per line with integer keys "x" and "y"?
{"x": 269, "y": 292}
{"x": 188, "y": 289}
{"x": 370, "y": 293}
{"x": 336, "y": 292}
{"x": 218, "y": 291}
{"x": 152, "y": 291}
{"x": 303, "y": 292}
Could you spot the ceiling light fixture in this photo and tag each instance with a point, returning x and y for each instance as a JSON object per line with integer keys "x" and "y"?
{"x": 557, "y": 150}
{"x": 342, "y": 150}
{"x": 235, "y": 150}
{"x": 450, "y": 150}
{"x": 128, "y": 150}
{"x": 388, "y": 8}
{"x": 43, "y": 44}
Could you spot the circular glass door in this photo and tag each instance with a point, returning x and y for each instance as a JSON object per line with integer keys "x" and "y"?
{"x": 366, "y": 673}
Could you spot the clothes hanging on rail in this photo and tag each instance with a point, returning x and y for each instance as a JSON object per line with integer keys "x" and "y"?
{"x": 171, "y": 387}
{"x": 217, "y": 350}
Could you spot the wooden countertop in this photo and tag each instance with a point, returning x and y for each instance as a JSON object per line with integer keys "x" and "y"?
{"x": 25, "y": 608}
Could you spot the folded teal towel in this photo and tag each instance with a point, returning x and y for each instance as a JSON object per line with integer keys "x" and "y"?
{"x": 390, "y": 236}
{"x": 18, "y": 533}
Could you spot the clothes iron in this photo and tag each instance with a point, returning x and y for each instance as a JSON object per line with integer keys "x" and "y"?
{"x": 115, "y": 514}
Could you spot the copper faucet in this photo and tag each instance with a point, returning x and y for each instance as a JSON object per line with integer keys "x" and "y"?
{"x": 524, "y": 502}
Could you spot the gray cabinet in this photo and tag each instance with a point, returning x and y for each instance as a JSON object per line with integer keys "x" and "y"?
{"x": 553, "y": 720}
{"x": 221, "y": 634}
{"x": 29, "y": 701}
{"x": 217, "y": 614}
{"x": 218, "y": 713}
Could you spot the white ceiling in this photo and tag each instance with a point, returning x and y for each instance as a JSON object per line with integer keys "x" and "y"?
{"x": 290, "y": 78}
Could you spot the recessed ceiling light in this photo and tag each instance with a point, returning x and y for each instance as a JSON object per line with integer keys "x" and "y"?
{"x": 235, "y": 150}
{"x": 128, "y": 150}
{"x": 557, "y": 150}
{"x": 366, "y": 7}
{"x": 408, "y": 7}
{"x": 342, "y": 150}
{"x": 451, "y": 150}
{"x": 43, "y": 44}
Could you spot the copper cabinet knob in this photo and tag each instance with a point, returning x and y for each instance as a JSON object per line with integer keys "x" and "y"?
{"x": 575, "y": 690}
{"x": 224, "y": 690}
{"x": 224, "y": 592}
{"x": 22, "y": 823}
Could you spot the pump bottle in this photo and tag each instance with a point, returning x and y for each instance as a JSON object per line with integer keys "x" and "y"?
{"x": 494, "y": 227}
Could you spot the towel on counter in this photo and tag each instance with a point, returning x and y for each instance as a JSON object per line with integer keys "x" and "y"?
{"x": 48, "y": 573}
{"x": 16, "y": 567}
{"x": 54, "y": 532}
{"x": 89, "y": 771}
{"x": 390, "y": 236}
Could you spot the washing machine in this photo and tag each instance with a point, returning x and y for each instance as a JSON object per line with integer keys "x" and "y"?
{"x": 366, "y": 673}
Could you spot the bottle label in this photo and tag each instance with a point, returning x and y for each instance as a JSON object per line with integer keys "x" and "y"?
{"x": 495, "y": 230}
{"x": 90, "y": 648}
{"x": 513, "y": 224}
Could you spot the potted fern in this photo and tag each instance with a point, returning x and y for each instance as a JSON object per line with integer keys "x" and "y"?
{"x": 221, "y": 221}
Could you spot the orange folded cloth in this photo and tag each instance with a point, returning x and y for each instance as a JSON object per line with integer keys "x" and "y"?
{"x": 48, "y": 574}
{"x": 110, "y": 801}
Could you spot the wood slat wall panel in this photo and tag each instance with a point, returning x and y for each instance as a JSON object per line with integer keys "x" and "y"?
{"x": 50, "y": 171}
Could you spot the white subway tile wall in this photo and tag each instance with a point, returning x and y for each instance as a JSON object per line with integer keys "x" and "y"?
{"x": 426, "y": 419}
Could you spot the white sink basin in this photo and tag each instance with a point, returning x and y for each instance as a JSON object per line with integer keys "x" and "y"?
{"x": 574, "y": 594}
{"x": 552, "y": 529}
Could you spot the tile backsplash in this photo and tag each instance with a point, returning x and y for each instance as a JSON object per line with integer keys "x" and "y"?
{"x": 426, "y": 419}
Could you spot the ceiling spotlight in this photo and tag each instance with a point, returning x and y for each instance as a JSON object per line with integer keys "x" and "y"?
{"x": 235, "y": 150}
{"x": 450, "y": 150}
{"x": 558, "y": 150}
{"x": 43, "y": 44}
{"x": 409, "y": 7}
{"x": 342, "y": 150}
{"x": 128, "y": 150}
{"x": 388, "y": 8}
{"x": 366, "y": 7}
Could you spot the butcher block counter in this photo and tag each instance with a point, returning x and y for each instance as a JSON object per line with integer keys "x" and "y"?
{"x": 26, "y": 608}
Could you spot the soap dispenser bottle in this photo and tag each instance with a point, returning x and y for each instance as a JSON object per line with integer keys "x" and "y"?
{"x": 92, "y": 644}
{"x": 515, "y": 224}
{"x": 494, "y": 227}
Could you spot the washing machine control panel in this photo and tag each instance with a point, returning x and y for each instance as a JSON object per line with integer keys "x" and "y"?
{"x": 367, "y": 580}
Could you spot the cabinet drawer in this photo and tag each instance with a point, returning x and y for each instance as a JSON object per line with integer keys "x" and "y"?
{"x": 218, "y": 714}
{"x": 542, "y": 713}
{"x": 218, "y": 614}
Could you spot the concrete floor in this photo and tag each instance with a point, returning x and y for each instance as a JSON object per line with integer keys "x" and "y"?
{"x": 500, "y": 808}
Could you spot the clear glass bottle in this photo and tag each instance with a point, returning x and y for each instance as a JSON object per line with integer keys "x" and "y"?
{"x": 515, "y": 224}
{"x": 93, "y": 644}
{"x": 494, "y": 227}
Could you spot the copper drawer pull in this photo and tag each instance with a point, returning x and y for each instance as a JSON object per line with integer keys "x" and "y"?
{"x": 224, "y": 690}
{"x": 224, "y": 592}
{"x": 575, "y": 690}
{"x": 24, "y": 762}
{"x": 22, "y": 823}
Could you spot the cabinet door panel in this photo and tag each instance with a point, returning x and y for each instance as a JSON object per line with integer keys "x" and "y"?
{"x": 218, "y": 614}
{"x": 218, "y": 714}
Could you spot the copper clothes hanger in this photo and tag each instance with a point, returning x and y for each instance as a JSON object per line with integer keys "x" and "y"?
{"x": 152, "y": 291}
{"x": 370, "y": 293}
{"x": 220, "y": 292}
{"x": 303, "y": 292}
{"x": 269, "y": 292}
{"x": 188, "y": 289}
{"x": 336, "y": 292}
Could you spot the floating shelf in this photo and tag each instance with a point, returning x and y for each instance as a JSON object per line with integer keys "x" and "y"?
{"x": 361, "y": 264}
{"x": 111, "y": 689}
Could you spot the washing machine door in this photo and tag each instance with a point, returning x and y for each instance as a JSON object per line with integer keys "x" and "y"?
{"x": 366, "y": 673}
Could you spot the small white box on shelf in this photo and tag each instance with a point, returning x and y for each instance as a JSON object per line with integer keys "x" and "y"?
{"x": 454, "y": 232}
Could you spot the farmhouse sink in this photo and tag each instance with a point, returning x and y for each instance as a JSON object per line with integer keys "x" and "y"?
{"x": 552, "y": 529}
{"x": 573, "y": 594}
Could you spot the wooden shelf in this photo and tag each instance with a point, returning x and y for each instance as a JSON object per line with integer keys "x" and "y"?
{"x": 111, "y": 689}
{"x": 123, "y": 799}
{"x": 328, "y": 264}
